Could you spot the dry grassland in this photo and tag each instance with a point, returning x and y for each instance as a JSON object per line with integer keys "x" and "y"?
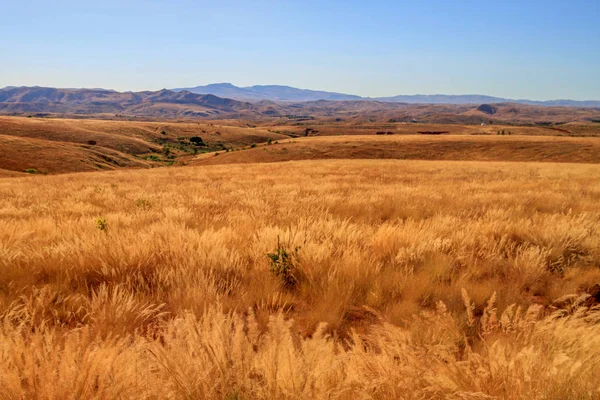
{"x": 326, "y": 128}
{"x": 63, "y": 145}
{"x": 418, "y": 147}
{"x": 51, "y": 145}
{"x": 366, "y": 279}
{"x": 132, "y": 137}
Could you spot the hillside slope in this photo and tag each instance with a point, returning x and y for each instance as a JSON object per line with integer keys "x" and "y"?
{"x": 452, "y": 147}
{"x": 44, "y": 156}
{"x": 51, "y": 145}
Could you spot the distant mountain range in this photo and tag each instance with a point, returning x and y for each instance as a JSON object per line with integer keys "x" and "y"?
{"x": 168, "y": 104}
{"x": 288, "y": 93}
{"x": 268, "y": 92}
{"x": 161, "y": 104}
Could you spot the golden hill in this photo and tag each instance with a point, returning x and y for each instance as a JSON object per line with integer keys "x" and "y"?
{"x": 329, "y": 127}
{"x": 56, "y": 145}
{"x": 51, "y": 145}
{"x": 423, "y": 147}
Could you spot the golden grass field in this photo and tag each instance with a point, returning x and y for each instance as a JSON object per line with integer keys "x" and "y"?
{"x": 366, "y": 279}
{"x": 329, "y": 128}
{"x": 417, "y": 147}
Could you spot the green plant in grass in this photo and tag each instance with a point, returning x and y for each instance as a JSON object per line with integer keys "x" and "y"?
{"x": 282, "y": 264}
{"x": 102, "y": 224}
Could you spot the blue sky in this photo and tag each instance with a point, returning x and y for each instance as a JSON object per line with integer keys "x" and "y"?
{"x": 518, "y": 49}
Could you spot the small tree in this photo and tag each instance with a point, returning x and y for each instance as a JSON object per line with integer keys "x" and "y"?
{"x": 197, "y": 140}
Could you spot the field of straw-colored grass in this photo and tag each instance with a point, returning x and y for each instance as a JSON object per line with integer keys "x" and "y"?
{"x": 363, "y": 279}
{"x": 417, "y": 147}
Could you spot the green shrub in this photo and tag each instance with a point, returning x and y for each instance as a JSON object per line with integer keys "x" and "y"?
{"x": 31, "y": 171}
{"x": 102, "y": 224}
{"x": 282, "y": 264}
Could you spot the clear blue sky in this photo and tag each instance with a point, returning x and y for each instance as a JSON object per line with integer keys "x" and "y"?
{"x": 518, "y": 49}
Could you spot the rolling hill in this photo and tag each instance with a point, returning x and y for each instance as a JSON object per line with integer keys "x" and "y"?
{"x": 413, "y": 147}
{"x": 59, "y": 145}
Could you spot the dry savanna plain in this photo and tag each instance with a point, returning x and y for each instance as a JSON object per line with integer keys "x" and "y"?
{"x": 298, "y": 262}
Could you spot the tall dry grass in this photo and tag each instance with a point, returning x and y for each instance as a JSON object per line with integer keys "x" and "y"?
{"x": 410, "y": 280}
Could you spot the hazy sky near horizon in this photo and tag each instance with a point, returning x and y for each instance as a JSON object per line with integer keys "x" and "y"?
{"x": 517, "y": 49}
